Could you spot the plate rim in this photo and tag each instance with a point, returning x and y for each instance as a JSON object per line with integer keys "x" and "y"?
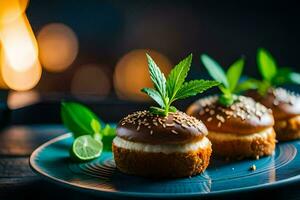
{"x": 75, "y": 186}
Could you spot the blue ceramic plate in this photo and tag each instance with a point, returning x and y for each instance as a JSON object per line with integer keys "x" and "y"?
{"x": 101, "y": 177}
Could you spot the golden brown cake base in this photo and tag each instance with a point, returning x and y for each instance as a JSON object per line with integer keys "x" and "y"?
{"x": 161, "y": 165}
{"x": 288, "y": 129}
{"x": 243, "y": 147}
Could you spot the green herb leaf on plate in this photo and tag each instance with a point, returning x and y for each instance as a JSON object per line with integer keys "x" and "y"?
{"x": 96, "y": 126}
{"x": 108, "y": 134}
{"x": 77, "y": 118}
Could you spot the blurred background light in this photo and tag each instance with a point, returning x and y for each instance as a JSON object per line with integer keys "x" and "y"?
{"x": 11, "y": 10}
{"x": 58, "y": 47}
{"x": 18, "y": 99}
{"x": 21, "y": 80}
{"x": 131, "y": 73}
{"x": 20, "y": 67}
{"x": 91, "y": 79}
{"x": 2, "y": 82}
{"x": 19, "y": 44}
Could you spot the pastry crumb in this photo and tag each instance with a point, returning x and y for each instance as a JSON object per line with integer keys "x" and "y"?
{"x": 253, "y": 168}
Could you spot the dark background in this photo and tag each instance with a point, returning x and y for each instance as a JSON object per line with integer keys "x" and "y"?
{"x": 224, "y": 29}
{"x": 107, "y": 30}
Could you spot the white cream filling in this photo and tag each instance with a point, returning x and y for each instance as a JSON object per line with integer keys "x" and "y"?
{"x": 231, "y": 136}
{"x": 164, "y": 148}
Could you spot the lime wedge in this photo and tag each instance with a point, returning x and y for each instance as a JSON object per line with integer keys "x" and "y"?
{"x": 86, "y": 148}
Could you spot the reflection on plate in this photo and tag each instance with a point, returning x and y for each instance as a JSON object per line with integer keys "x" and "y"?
{"x": 101, "y": 177}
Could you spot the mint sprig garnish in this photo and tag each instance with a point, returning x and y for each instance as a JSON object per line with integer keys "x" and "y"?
{"x": 166, "y": 91}
{"x": 228, "y": 80}
{"x": 272, "y": 75}
{"x": 77, "y": 118}
{"x": 85, "y": 126}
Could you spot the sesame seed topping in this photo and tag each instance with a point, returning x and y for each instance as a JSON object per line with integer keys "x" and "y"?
{"x": 243, "y": 108}
{"x": 282, "y": 95}
{"x": 146, "y": 119}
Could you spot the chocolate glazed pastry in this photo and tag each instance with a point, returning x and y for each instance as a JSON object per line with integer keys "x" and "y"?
{"x": 286, "y": 110}
{"x": 164, "y": 142}
{"x": 155, "y": 146}
{"x": 243, "y": 129}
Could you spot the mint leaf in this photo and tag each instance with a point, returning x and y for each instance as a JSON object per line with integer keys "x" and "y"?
{"x": 108, "y": 134}
{"x": 77, "y": 118}
{"x": 157, "y": 111}
{"x": 177, "y": 76}
{"x": 234, "y": 73}
{"x": 266, "y": 64}
{"x": 96, "y": 126}
{"x": 294, "y": 78}
{"x": 172, "y": 109}
{"x": 226, "y": 99}
{"x": 225, "y": 90}
{"x": 157, "y": 77}
{"x": 263, "y": 87}
{"x": 154, "y": 95}
{"x": 214, "y": 70}
{"x": 166, "y": 92}
{"x": 247, "y": 85}
{"x": 194, "y": 87}
{"x": 284, "y": 76}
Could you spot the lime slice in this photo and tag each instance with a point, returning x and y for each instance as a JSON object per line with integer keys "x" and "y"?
{"x": 86, "y": 148}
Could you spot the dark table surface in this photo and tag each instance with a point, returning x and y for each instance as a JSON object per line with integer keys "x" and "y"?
{"x": 17, "y": 181}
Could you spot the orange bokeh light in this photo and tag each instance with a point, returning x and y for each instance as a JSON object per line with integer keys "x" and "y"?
{"x": 20, "y": 80}
{"x": 131, "y": 73}
{"x": 58, "y": 47}
{"x": 11, "y": 10}
{"x": 18, "y": 99}
{"x": 20, "y": 66}
{"x": 19, "y": 44}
